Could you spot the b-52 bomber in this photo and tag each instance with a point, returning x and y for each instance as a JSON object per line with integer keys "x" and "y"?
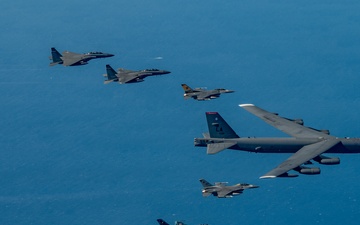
{"x": 124, "y": 76}
{"x": 220, "y": 189}
{"x": 306, "y": 143}
{"x": 74, "y": 59}
{"x": 202, "y": 94}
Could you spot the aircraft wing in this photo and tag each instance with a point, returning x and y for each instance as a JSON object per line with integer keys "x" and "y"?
{"x": 285, "y": 125}
{"x": 305, "y": 154}
{"x": 71, "y": 58}
{"x": 225, "y": 192}
{"x": 205, "y": 95}
{"x": 126, "y": 77}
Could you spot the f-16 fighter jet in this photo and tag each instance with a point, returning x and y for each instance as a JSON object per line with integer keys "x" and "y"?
{"x": 202, "y": 94}
{"x": 74, "y": 59}
{"x": 306, "y": 143}
{"x": 220, "y": 189}
{"x": 129, "y": 76}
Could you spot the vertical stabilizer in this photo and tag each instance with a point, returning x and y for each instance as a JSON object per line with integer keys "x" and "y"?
{"x": 111, "y": 74}
{"x": 55, "y": 57}
{"x": 205, "y": 183}
{"x": 218, "y": 127}
{"x": 162, "y": 222}
{"x": 186, "y": 88}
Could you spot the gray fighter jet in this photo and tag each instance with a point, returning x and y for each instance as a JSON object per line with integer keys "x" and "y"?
{"x": 129, "y": 76}
{"x": 202, "y": 94}
{"x": 306, "y": 143}
{"x": 162, "y": 222}
{"x": 74, "y": 59}
{"x": 220, "y": 189}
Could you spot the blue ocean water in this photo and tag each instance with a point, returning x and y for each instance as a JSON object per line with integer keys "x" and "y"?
{"x": 76, "y": 151}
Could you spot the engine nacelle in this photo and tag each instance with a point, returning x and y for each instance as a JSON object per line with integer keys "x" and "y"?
{"x": 327, "y": 161}
{"x": 309, "y": 171}
{"x": 325, "y": 132}
{"x": 298, "y": 121}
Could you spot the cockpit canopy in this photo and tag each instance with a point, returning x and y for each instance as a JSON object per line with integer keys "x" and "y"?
{"x": 94, "y": 53}
{"x": 151, "y": 70}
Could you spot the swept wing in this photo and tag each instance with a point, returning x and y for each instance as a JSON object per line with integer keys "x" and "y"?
{"x": 71, "y": 58}
{"x": 305, "y": 154}
{"x": 291, "y": 128}
{"x": 285, "y": 125}
{"x": 205, "y": 95}
{"x": 128, "y": 77}
{"x": 225, "y": 192}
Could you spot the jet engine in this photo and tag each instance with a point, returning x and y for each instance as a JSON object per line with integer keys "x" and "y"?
{"x": 307, "y": 170}
{"x": 327, "y": 160}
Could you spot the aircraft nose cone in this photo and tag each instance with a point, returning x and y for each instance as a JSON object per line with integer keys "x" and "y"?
{"x": 166, "y": 72}
{"x": 229, "y": 91}
{"x": 254, "y": 186}
{"x": 110, "y": 55}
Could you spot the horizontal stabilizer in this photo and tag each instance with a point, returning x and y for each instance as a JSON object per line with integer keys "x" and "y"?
{"x": 206, "y": 135}
{"x": 206, "y": 194}
{"x": 55, "y": 63}
{"x": 217, "y": 147}
{"x": 108, "y": 81}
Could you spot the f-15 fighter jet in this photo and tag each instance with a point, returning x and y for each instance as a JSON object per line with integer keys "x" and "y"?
{"x": 124, "y": 76}
{"x": 74, "y": 59}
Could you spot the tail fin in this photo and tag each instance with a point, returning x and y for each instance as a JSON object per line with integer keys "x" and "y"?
{"x": 186, "y": 88}
{"x": 162, "y": 222}
{"x": 179, "y": 223}
{"x": 218, "y": 128}
{"x": 205, "y": 183}
{"x": 110, "y": 74}
{"x": 55, "y": 57}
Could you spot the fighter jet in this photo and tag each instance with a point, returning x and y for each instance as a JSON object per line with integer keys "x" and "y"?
{"x": 220, "y": 189}
{"x": 129, "y": 76}
{"x": 74, "y": 59}
{"x": 202, "y": 94}
{"x": 306, "y": 143}
{"x": 162, "y": 222}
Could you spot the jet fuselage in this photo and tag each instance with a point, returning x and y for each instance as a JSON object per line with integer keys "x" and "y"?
{"x": 279, "y": 145}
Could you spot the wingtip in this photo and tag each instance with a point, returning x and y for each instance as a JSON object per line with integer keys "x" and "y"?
{"x": 246, "y": 105}
{"x": 267, "y": 177}
{"x": 212, "y": 113}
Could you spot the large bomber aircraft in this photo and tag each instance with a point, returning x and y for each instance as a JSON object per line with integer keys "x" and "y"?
{"x": 74, "y": 59}
{"x": 202, "y": 94}
{"x": 306, "y": 143}
{"x": 221, "y": 190}
{"x": 124, "y": 76}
